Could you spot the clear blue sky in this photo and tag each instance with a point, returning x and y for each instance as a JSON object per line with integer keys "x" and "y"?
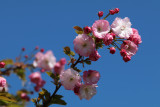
{"x": 49, "y": 24}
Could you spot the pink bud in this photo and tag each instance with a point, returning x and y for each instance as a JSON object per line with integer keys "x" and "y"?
{"x": 23, "y": 95}
{"x": 2, "y": 82}
{"x": 36, "y": 88}
{"x": 23, "y": 49}
{"x": 112, "y": 50}
{"x": 37, "y": 47}
{"x": 2, "y": 64}
{"x": 42, "y": 50}
{"x": 100, "y": 13}
{"x": 116, "y": 10}
{"x": 63, "y": 61}
{"x": 87, "y": 30}
{"x": 123, "y": 52}
{"x": 26, "y": 56}
{"x": 43, "y": 70}
{"x": 126, "y": 58}
{"x": 112, "y": 12}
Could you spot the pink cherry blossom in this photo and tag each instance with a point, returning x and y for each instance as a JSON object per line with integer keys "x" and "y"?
{"x": 45, "y": 61}
{"x": 130, "y": 47}
{"x": 108, "y": 38}
{"x": 59, "y": 66}
{"x": 36, "y": 78}
{"x": 135, "y": 37}
{"x": 122, "y": 27}
{"x": 94, "y": 56}
{"x": 70, "y": 78}
{"x": 87, "y": 91}
{"x": 100, "y": 28}
{"x": 2, "y": 82}
{"x": 91, "y": 77}
{"x": 84, "y": 45}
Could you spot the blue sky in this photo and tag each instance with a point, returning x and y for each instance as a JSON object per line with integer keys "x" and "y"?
{"x": 49, "y": 24}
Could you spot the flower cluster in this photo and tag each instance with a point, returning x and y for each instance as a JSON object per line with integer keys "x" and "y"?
{"x": 102, "y": 34}
{"x": 71, "y": 80}
{"x": 45, "y": 61}
{"x": 116, "y": 36}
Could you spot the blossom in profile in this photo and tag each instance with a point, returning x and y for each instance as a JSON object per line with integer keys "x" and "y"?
{"x": 94, "y": 56}
{"x": 91, "y": 77}
{"x": 135, "y": 37}
{"x": 84, "y": 45}
{"x": 59, "y": 66}
{"x": 36, "y": 78}
{"x": 108, "y": 38}
{"x": 2, "y": 82}
{"x": 45, "y": 61}
{"x": 100, "y": 28}
{"x": 130, "y": 47}
{"x": 24, "y": 96}
{"x": 87, "y": 91}
{"x": 122, "y": 27}
{"x": 70, "y": 78}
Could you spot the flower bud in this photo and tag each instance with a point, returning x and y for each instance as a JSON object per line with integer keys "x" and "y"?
{"x": 126, "y": 58}
{"x": 112, "y": 12}
{"x": 87, "y": 30}
{"x": 100, "y": 13}
{"x": 23, "y": 49}
{"x": 2, "y": 64}
{"x": 42, "y": 50}
{"x": 116, "y": 10}
{"x": 123, "y": 52}
{"x": 112, "y": 50}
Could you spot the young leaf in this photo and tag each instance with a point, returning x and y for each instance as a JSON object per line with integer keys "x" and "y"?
{"x": 51, "y": 75}
{"x": 78, "y": 28}
{"x": 57, "y": 100}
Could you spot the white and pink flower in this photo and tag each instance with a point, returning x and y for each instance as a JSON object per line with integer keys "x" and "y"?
{"x": 84, "y": 45}
{"x": 45, "y": 61}
{"x": 70, "y": 78}
{"x": 122, "y": 27}
{"x": 130, "y": 47}
{"x": 91, "y": 77}
{"x": 135, "y": 37}
{"x": 100, "y": 28}
{"x": 87, "y": 91}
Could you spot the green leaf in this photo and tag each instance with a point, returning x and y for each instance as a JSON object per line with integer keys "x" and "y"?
{"x": 21, "y": 73}
{"x": 7, "y": 98}
{"x": 88, "y": 62}
{"x": 72, "y": 53}
{"x": 46, "y": 93}
{"x": 78, "y": 28}
{"x": 57, "y": 100}
{"x": 51, "y": 75}
{"x": 8, "y": 61}
{"x": 68, "y": 51}
{"x": 79, "y": 32}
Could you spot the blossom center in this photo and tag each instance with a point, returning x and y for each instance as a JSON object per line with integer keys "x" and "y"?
{"x": 99, "y": 29}
{"x": 84, "y": 45}
{"x": 123, "y": 27}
